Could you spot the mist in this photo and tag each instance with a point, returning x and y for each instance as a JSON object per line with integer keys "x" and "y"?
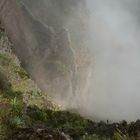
{"x": 112, "y": 34}
{"x": 114, "y": 88}
{"x": 115, "y": 31}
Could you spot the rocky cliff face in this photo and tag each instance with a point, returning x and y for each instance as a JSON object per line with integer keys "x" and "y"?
{"x": 45, "y": 35}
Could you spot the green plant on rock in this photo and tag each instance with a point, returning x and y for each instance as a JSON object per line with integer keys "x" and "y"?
{"x": 21, "y": 72}
{"x": 16, "y": 106}
{"x": 16, "y": 113}
{"x": 16, "y": 122}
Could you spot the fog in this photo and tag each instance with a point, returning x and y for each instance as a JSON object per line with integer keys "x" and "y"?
{"x": 115, "y": 32}
{"x": 112, "y": 84}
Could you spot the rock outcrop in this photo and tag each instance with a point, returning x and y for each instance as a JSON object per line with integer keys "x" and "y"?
{"x": 44, "y": 38}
